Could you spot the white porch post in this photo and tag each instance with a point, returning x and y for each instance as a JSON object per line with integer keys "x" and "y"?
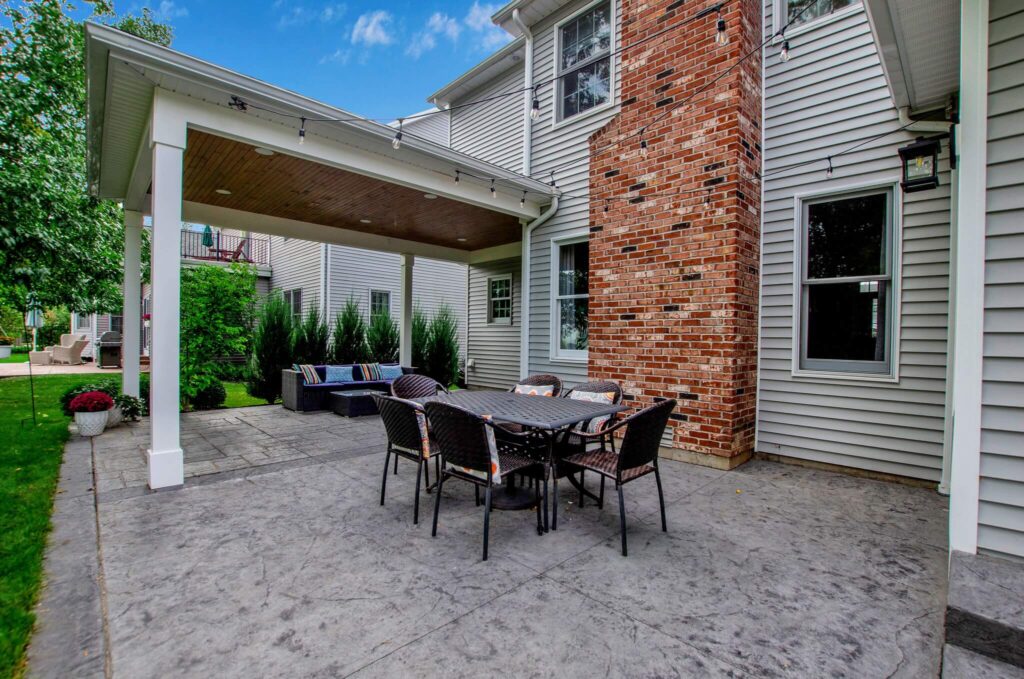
{"x": 405, "y": 329}
{"x": 131, "y": 313}
{"x": 166, "y": 460}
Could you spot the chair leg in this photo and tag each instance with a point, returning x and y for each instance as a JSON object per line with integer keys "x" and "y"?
{"x": 536, "y": 496}
{"x": 583, "y": 473}
{"x": 437, "y": 502}
{"x": 426, "y": 472}
{"x": 384, "y": 481}
{"x": 661, "y": 500}
{"x": 554, "y": 500}
{"x": 416, "y": 503}
{"x": 476, "y": 492}
{"x": 622, "y": 519}
{"x": 600, "y": 501}
{"x": 396, "y": 465}
{"x": 487, "y": 518}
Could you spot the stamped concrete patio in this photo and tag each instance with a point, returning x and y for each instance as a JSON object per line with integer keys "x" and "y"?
{"x": 277, "y": 560}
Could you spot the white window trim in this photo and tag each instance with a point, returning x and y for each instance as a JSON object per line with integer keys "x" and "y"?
{"x": 778, "y": 14}
{"x": 369, "y": 300}
{"x": 556, "y": 354}
{"x": 796, "y": 341}
{"x": 556, "y": 100}
{"x": 511, "y": 298}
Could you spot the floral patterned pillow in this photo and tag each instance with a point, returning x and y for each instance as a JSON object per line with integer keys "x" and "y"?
{"x": 606, "y": 397}
{"x": 535, "y": 390}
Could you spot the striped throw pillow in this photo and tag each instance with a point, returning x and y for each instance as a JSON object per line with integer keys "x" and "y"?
{"x": 309, "y": 374}
{"x": 371, "y": 372}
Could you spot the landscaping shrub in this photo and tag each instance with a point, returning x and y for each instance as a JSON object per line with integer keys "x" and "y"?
{"x": 110, "y": 387}
{"x": 56, "y": 322}
{"x": 382, "y": 338}
{"x": 271, "y": 349}
{"x": 144, "y": 390}
{"x": 91, "y": 402}
{"x": 311, "y": 339}
{"x": 210, "y": 396}
{"x": 420, "y": 331}
{"x": 442, "y": 350}
{"x": 131, "y": 408}
{"x": 349, "y": 345}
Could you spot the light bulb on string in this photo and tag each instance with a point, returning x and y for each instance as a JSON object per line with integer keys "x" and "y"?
{"x": 494, "y": 194}
{"x": 522, "y": 201}
{"x": 457, "y": 173}
{"x": 828, "y": 172}
{"x": 721, "y": 37}
{"x": 784, "y": 52}
{"x": 535, "y": 109}
{"x": 643, "y": 147}
{"x": 302, "y": 132}
{"x": 396, "y": 143}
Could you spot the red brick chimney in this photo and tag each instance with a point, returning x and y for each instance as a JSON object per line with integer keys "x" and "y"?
{"x": 674, "y": 278}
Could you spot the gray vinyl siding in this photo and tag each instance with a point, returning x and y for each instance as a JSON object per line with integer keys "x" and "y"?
{"x": 434, "y": 127}
{"x": 296, "y": 264}
{"x": 563, "y": 146}
{"x": 1001, "y": 508}
{"x": 831, "y": 95}
{"x": 353, "y": 272}
{"x": 492, "y": 131}
{"x": 494, "y": 349}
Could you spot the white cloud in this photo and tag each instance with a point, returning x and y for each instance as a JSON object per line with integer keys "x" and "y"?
{"x": 372, "y": 29}
{"x": 339, "y": 56}
{"x": 300, "y": 15}
{"x": 487, "y": 36}
{"x": 437, "y": 25}
{"x": 168, "y": 9}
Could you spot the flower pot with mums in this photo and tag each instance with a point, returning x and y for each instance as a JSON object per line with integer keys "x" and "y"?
{"x": 90, "y": 411}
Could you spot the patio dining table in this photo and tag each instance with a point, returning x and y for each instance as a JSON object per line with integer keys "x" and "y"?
{"x": 544, "y": 415}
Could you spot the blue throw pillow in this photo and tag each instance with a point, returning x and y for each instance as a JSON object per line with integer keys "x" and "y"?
{"x": 339, "y": 373}
{"x": 390, "y": 372}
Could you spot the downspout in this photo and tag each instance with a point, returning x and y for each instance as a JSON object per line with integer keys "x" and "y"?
{"x": 528, "y": 94}
{"x": 524, "y": 325}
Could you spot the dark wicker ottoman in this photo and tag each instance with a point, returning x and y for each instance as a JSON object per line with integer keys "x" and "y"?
{"x": 354, "y": 403}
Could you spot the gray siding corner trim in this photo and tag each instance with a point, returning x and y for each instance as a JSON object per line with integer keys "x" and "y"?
{"x": 1001, "y": 492}
{"x": 493, "y": 349}
{"x": 831, "y": 97}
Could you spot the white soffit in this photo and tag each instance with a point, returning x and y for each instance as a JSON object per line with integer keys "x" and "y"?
{"x": 920, "y": 46}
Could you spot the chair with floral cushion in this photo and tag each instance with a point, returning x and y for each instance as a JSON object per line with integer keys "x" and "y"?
{"x": 469, "y": 453}
{"x": 406, "y": 425}
{"x": 637, "y": 456}
{"x": 538, "y": 385}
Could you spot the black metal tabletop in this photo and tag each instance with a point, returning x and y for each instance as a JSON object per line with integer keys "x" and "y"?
{"x": 537, "y": 412}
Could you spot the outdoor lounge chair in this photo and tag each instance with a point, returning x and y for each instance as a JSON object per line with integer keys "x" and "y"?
{"x": 416, "y": 386}
{"x": 71, "y": 355}
{"x": 541, "y": 381}
{"x": 406, "y": 425}
{"x": 637, "y": 457}
{"x": 469, "y": 453}
{"x": 301, "y": 397}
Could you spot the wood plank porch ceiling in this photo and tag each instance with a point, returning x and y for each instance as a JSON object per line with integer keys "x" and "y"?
{"x": 294, "y": 188}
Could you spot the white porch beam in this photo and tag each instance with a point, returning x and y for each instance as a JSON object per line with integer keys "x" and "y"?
{"x": 969, "y": 286}
{"x": 131, "y": 311}
{"x": 166, "y": 459}
{"x": 248, "y": 128}
{"x": 493, "y": 254}
{"x": 405, "y": 327}
{"x": 201, "y": 213}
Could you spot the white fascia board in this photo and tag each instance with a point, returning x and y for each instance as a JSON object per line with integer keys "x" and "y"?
{"x": 201, "y": 213}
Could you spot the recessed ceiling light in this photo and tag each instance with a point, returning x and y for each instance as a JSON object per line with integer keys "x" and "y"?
{"x": 223, "y": 192}
{"x": 263, "y": 152}
{"x": 461, "y": 240}
{"x": 364, "y": 220}
{"x": 430, "y": 196}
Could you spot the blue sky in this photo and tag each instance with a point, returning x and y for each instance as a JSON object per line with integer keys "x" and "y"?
{"x": 378, "y": 59}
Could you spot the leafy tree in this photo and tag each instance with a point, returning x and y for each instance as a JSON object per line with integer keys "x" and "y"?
{"x": 420, "y": 331}
{"x": 311, "y": 339}
{"x": 382, "y": 338}
{"x": 56, "y": 322}
{"x": 271, "y": 349}
{"x": 217, "y": 308}
{"x": 56, "y": 241}
{"x": 349, "y": 344}
{"x": 442, "y": 350}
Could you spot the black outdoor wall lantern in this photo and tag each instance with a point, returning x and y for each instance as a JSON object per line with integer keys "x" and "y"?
{"x": 920, "y": 165}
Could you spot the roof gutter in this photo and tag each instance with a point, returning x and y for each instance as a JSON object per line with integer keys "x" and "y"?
{"x": 528, "y": 94}
{"x": 524, "y": 325}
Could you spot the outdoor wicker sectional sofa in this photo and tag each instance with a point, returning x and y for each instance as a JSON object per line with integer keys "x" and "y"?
{"x": 299, "y": 396}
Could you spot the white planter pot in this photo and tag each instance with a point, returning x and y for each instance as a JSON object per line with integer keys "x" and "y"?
{"x": 5, "y": 351}
{"x": 91, "y": 424}
{"x": 114, "y": 416}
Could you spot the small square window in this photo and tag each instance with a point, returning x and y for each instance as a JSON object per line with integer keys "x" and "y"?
{"x": 499, "y": 300}
{"x": 380, "y": 302}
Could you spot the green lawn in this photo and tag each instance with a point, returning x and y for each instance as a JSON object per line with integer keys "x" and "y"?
{"x": 30, "y": 457}
{"x": 15, "y": 358}
{"x": 238, "y": 398}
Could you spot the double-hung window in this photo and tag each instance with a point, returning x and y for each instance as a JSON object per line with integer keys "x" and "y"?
{"x": 571, "y": 299}
{"x": 294, "y": 300}
{"x": 380, "y": 302}
{"x": 117, "y": 323}
{"x": 792, "y": 11}
{"x": 583, "y": 58}
{"x": 499, "y": 300}
{"x": 846, "y": 283}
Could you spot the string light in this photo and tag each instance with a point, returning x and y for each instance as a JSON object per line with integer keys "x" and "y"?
{"x": 302, "y": 132}
{"x": 784, "y": 53}
{"x": 828, "y": 172}
{"x": 494, "y": 194}
{"x": 721, "y": 37}
{"x": 643, "y": 147}
{"x": 457, "y": 173}
{"x": 522, "y": 201}
{"x": 535, "y": 110}
{"x": 396, "y": 143}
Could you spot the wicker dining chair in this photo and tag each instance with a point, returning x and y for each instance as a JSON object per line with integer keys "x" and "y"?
{"x": 467, "y": 445}
{"x": 406, "y": 425}
{"x": 416, "y": 386}
{"x": 637, "y": 456}
{"x": 541, "y": 381}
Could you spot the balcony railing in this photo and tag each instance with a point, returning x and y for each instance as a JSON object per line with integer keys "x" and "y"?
{"x": 225, "y": 248}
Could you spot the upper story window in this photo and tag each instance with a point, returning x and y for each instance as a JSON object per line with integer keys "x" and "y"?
{"x": 846, "y": 291}
{"x": 572, "y": 298}
{"x": 584, "y": 61}
{"x": 499, "y": 300}
{"x": 380, "y": 302}
{"x": 817, "y": 10}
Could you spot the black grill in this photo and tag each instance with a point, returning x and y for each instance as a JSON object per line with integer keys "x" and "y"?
{"x": 109, "y": 346}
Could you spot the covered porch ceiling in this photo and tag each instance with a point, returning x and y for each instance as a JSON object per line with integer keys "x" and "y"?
{"x": 345, "y": 184}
